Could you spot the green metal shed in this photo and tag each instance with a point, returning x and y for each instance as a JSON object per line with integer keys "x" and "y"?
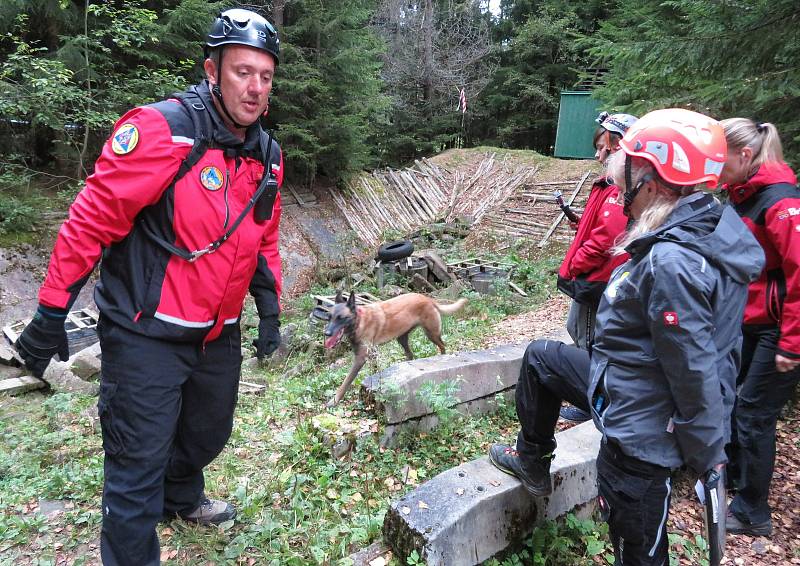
{"x": 576, "y": 114}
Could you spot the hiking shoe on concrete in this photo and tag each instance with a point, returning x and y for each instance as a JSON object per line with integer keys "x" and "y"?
{"x": 536, "y": 480}
{"x": 735, "y": 526}
{"x": 574, "y": 414}
{"x": 211, "y": 512}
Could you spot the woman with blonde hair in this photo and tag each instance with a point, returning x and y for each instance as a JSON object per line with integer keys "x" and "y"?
{"x": 660, "y": 380}
{"x": 763, "y": 190}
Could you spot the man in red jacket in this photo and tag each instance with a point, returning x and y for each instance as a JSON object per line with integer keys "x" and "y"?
{"x": 183, "y": 212}
{"x": 588, "y": 264}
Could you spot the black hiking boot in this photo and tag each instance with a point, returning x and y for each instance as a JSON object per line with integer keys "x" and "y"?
{"x": 532, "y": 471}
{"x": 736, "y": 526}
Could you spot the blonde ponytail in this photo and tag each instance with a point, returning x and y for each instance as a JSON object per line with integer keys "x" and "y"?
{"x": 762, "y": 138}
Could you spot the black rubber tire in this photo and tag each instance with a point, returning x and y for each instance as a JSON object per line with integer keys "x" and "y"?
{"x": 392, "y": 251}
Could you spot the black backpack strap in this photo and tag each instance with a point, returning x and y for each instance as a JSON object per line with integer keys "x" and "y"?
{"x": 203, "y": 129}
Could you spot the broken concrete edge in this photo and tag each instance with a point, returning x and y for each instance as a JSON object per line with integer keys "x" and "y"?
{"x": 474, "y": 511}
{"x": 426, "y": 423}
{"x": 21, "y": 384}
{"x": 480, "y": 373}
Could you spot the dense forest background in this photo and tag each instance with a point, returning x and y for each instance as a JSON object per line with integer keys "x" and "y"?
{"x": 366, "y": 83}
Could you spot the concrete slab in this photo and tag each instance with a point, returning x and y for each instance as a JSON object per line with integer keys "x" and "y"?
{"x": 470, "y": 513}
{"x": 481, "y": 375}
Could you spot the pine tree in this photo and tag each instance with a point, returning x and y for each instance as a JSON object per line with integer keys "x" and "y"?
{"x": 327, "y": 89}
{"x": 732, "y": 58}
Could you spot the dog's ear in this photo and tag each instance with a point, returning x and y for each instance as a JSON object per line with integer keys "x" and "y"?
{"x": 339, "y": 298}
{"x": 351, "y": 301}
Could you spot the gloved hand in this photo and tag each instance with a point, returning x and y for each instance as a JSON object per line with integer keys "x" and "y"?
{"x": 43, "y": 338}
{"x": 269, "y": 336}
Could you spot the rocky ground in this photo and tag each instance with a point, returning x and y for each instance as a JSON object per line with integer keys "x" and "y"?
{"x": 686, "y": 520}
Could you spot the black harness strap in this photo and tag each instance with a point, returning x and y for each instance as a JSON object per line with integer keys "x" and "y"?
{"x": 267, "y": 188}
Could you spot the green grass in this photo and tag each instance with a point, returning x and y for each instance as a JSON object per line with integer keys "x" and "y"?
{"x": 297, "y": 503}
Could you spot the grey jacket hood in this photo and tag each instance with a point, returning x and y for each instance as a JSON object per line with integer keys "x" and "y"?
{"x": 700, "y": 223}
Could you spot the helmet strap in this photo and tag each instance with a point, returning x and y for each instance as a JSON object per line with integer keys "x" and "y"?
{"x": 631, "y": 193}
{"x": 216, "y": 90}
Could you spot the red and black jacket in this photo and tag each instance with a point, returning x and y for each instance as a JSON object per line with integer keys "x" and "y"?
{"x": 769, "y": 203}
{"x": 142, "y": 286}
{"x": 588, "y": 263}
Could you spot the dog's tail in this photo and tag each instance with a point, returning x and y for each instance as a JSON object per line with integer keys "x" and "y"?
{"x": 450, "y": 309}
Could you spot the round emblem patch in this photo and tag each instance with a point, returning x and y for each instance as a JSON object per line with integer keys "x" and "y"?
{"x": 125, "y": 139}
{"x": 212, "y": 178}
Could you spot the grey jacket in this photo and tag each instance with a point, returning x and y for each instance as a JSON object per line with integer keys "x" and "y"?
{"x": 668, "y": 337}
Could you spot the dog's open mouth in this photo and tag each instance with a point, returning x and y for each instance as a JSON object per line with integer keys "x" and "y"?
{"x": 331, "y": 341}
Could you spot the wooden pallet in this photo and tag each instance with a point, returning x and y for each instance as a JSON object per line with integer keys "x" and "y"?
{"x": 80, "y": 325}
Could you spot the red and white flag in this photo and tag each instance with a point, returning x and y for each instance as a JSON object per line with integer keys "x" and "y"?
{"x": 462, "y": 101}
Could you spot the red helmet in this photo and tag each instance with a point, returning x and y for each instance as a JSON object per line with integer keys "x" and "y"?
{"x": 685, "y": 147}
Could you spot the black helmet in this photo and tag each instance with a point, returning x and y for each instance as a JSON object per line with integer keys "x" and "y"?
{"x": 243, "y": 27}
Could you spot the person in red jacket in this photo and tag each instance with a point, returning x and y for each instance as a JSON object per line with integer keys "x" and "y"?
{"x": 763, "y": 190}
{"x": 182, "y": 212}
{"x": 588, "y": 262}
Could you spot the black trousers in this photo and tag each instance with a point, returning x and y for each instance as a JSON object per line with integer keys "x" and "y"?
{"x": 166, "y": 411}
{"x": 634, "y": 496}
{"x": 762, "y": 393}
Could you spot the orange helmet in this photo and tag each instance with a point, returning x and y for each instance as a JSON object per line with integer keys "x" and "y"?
{"x": 685, "y": 147}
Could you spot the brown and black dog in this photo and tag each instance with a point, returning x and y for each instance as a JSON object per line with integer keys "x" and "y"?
{"x": 381, "y": 322}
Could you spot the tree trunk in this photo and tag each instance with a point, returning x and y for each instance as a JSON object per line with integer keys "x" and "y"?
{"x": 427, "y": 57}
{"x": 277, "y": 13}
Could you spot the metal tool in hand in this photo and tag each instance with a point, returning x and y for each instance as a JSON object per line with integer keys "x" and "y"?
{"x": 565, "y": 207}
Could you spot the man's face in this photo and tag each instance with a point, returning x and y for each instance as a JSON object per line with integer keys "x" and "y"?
{"x": 604, "y": 148}
{"x": 246, "y": 81}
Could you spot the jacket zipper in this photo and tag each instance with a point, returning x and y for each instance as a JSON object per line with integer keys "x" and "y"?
{"x": 227, "y": 207}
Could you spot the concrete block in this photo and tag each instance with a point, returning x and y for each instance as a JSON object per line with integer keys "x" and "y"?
{"x": 481, "y": 374}
{"x": 10, "y": 372}
{"x": 470, "y": 513}
{"x": 86, "y": 363}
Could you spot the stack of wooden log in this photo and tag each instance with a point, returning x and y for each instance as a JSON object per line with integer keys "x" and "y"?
{"x": 490, "y": 184}
{"x": 393, "y": 199}
{"x": 531, "y": 212}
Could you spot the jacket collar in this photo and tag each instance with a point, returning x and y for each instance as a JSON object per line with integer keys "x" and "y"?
{"x": 222, "y": 135}
{"x": 767, "y": 174}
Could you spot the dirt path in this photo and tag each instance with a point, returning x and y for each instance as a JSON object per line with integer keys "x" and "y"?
{"x": 783, "y": 548}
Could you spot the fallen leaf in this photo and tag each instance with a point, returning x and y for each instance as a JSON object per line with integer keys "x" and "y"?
{"x": 331, "y": 494}
{"x": 422, "y": 505}
{"x": 494, "y": 482}
{"x": 224, "y": 526}
{"x": 356, "y": 497}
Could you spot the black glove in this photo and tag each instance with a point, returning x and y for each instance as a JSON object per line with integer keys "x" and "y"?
{"x": 43, "y": 338}
{"x": 269, "y": 336}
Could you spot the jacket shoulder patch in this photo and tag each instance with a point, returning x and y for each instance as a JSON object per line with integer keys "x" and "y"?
{"x": 125, "y": 139}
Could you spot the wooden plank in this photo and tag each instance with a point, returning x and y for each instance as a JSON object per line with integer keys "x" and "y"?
{"x": 246, "y": 387}
{"x": 517, "y": 288}
{"x": 21, "y": 384}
